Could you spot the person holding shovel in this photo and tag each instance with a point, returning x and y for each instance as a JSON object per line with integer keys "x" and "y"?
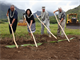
{"x": 13, "y": 16}
{"x": 45, "y": 19}
{"x": 31, "y": 21}
{"x": 62, "y": 20}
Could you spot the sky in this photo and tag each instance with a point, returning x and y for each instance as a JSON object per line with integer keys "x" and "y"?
{"x": 51, "y": 5}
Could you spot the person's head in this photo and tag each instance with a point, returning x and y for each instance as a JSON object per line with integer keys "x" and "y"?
{"x": 28, "y": 12}
{"x": 43, "y": 9}
{"x": 60, "y": 9}
{"x": 12, "y": 7}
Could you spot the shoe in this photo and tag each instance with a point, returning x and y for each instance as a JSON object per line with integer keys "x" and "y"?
{"x": 62, "y": 36}
{"x": 50, "y": 36}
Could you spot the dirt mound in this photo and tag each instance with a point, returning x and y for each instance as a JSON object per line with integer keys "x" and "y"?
{"x": 39, "y": 38}
{"x": 61, "y": 51}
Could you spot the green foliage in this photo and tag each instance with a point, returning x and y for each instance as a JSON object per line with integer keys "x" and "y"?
{"x": 1, "y": 22}
{"x": 13, "y": 46}
{"x": 4, "y": 20}
{"x": 52, "y": 20}
{"x": 22, "y": 30}
{"x": 4, "y": 8}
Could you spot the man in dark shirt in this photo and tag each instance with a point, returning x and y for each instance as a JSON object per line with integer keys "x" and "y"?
{"x": 13, "y": 16}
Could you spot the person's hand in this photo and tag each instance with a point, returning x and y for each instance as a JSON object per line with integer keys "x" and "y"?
{"x": 10, "y": 25}
{"x": 37, "y": 16}
{"x": 29, "y": 27}
{"x": 6, "y": 14}
{"x": 43, "y": 23}
{"x": 53, "y": 12}
{"x": 59, "y": 22}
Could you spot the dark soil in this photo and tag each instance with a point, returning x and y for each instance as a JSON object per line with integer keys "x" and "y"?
{"x": 60, "y": 51}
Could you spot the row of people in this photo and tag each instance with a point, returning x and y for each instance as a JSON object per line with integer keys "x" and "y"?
{"x": 13, "y": 15}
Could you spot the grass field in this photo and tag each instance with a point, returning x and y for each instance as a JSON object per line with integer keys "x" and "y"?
{"x": 22, "y": 30}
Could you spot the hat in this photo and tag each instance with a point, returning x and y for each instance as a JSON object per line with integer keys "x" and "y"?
{"x": 43, "y": 7}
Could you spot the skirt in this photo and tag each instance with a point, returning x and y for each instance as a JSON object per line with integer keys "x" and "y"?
{"x": 33, "y": 29}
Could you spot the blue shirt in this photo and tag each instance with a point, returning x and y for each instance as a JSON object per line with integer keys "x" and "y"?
{"x": 13, "y": 15}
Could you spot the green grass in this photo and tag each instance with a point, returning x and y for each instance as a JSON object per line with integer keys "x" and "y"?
{"x": 22, "y": 30}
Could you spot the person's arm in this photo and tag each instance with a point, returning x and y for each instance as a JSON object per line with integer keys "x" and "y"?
{"x": 24, "y": 17}
{"x": 39, "y": 16}
{"x": 63, "y": 17}
{"x": 8, "y": 12}
{"x": 12, "y": 22}
{"x": 61, "y": 20}
{"x": 31, "y": 23}
{"x": 15, "y": 17}
{"x": 32, "y": 18}
{"x": 55, "y": 11}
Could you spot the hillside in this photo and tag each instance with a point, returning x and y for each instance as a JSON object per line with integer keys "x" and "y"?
{"x": 39, "y": 13}
{"x": 3, "y": 10}
{"x": 4, "y": 7}
{"x": 75, "y": 10}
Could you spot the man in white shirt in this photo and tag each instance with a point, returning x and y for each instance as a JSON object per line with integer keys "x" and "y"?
{"x": 45, "y": 19}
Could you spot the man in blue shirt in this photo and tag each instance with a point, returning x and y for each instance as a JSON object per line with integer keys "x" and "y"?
{"x": 13, "y": 16}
